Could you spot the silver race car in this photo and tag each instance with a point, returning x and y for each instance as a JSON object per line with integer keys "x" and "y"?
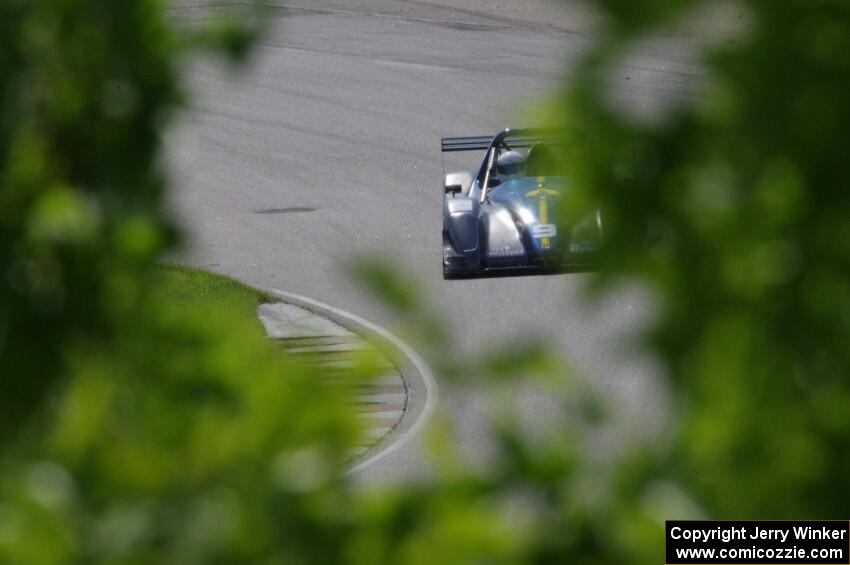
{"x": 505, "y": 216}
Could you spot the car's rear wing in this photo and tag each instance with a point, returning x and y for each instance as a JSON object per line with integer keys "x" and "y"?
{"x": 507, "y": 138}
{"x": 480, "y": 143}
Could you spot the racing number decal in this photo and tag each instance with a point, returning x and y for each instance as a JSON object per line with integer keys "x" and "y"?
{"x": 544, "y": 231}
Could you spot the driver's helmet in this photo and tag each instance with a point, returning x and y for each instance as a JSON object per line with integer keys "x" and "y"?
{"x": 510, "y": 164}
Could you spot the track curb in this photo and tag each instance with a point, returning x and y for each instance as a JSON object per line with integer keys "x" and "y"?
{"x": 422, "y": 390}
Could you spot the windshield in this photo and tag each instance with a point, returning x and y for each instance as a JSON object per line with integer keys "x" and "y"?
{"x": 535, "y": 159}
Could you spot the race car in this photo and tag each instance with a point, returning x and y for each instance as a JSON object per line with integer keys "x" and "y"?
{"x": 506, "y": 217}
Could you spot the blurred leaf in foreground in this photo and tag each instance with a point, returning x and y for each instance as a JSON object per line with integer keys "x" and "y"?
{"x": 741, "y": 195}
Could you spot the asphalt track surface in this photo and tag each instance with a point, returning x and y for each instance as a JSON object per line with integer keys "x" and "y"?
{"x": 326, "y": 148}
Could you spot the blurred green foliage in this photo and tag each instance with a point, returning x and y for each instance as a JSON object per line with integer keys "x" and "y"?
{"x": 743, "y": 196}
{"x": 138, "y": 426}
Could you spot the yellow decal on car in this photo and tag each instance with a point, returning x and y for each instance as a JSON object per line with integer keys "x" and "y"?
{"x": 542, "y": 195}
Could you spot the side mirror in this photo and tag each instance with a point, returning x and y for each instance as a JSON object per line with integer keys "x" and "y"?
{"x": 455, "y": 183}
